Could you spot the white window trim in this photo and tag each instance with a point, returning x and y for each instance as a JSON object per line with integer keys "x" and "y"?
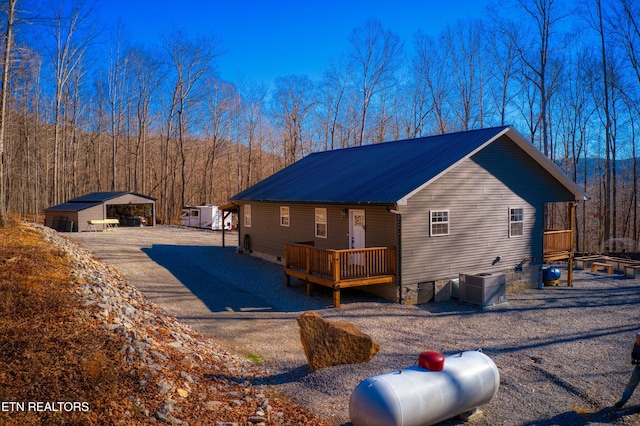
{"x": 518, "y": 221}
{"x": 431, "y": 223}
{"x": 323, "y": 212}
{"x": 247, "y": 215}
{"x": 284, "y": 215}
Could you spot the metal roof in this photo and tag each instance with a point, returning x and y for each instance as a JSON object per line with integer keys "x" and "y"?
{"x": 92, "y": 199}
{"x": 73, "y": 207}
{"x": 384, "y": 173}
{"x": 105, "y": 196}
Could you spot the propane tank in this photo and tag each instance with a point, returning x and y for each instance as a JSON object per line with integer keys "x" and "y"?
{"x": 416, "y": 396}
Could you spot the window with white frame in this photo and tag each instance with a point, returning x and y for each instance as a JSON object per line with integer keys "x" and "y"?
{"x": 321, "y": 223}
{"x": 516, "y": 222}
{"x": 247, "y": 215}
{"x": 439, "y": 224}
{"x": 284, "y": 216}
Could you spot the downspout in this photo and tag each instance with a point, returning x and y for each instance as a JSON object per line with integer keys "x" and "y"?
{"x": 398, "y": 250}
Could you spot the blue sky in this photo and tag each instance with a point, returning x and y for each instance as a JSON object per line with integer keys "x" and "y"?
{"x": 267, "y": 39}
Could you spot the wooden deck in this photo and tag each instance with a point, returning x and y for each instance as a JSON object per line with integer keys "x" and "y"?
{"x": 339, "y": 269}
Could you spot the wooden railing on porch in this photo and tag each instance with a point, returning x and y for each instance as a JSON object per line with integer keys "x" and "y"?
{"x": 339, "y": 268}
{"x": 557, "y": 244}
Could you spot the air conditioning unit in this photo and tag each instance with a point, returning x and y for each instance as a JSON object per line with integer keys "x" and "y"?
{"x": 484, "y": 289}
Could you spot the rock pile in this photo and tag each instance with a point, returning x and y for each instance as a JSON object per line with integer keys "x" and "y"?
{"x": 181, "y": 371}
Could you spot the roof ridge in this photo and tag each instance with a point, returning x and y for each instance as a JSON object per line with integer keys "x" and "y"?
{"x": 375, "y": 144}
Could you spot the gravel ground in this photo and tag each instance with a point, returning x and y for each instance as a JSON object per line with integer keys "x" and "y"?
{"x": 562, "y": 353}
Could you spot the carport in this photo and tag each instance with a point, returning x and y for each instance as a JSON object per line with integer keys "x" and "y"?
{"x": 130, "y": 208}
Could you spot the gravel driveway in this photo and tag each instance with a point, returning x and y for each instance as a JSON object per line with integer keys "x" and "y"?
{"x": 563, "y": 353}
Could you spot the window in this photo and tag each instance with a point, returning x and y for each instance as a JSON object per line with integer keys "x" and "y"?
{"x": 516, "y": 222}
{"x": 247, "y": 215}
{"x": 439, "y": 222}
{"x": 321, "y": 223}
{"x": 284, "y": 216}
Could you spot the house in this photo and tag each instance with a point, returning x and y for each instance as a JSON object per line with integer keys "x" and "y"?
{"x": 129, "y": 208}
{"x": 405, "y": 218}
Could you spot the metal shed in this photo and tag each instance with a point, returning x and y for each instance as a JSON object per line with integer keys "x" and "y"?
{"x": 130, "y": 208}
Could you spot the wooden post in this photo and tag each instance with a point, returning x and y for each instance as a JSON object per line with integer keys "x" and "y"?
{"x": 335, "y": 261}
{"x": 570, "y": 272}
{"x": 572, "y": 226}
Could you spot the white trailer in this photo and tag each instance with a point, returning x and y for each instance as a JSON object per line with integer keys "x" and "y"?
{"x": 208, "y": 217}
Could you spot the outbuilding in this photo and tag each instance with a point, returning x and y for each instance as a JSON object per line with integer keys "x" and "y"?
{"x": 129, "y": 208}
{"x": 407, "y": 218}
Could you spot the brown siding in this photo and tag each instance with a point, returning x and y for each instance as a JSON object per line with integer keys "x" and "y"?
{"x": 268, "y": 237}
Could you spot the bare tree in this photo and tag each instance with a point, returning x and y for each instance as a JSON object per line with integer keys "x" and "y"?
{"x": 292, "y": 105}
{"x": 254, "y": 99}
{"x": 146, "y": 74}
{"x": 4, "y": 93}
{"x": 333, "y": 90}
{"x": 116, "y": 79}
{"x": 219, "y": 101}
{"x": 190, "y": 60}
{"x": 376, "y": 54}
{"x": 71, "y": 31}
{"x": 463, "y": 49}
{"x": 503, "y": 51}
{"x": 539, "y": 67}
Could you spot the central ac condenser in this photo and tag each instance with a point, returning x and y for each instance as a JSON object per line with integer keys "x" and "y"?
{"x": 484, "y": 289}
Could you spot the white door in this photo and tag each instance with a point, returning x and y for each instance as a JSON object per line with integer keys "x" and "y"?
{"x": 356, "y": 229}
{"x": 194, "y": 217}
{"x": 356, "y": 235}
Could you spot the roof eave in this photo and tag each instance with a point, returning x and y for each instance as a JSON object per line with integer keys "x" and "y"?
{"x": 547, "y": 164}
{"x": 527, "y": 147}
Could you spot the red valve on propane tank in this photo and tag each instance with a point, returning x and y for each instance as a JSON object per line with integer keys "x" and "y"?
{"x": 431, "y": 360}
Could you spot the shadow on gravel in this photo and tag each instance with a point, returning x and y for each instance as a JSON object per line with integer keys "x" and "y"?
{"x": 603, "y": 416}
{"x": 226, "y": 281}
{"x": 289, "y": 376}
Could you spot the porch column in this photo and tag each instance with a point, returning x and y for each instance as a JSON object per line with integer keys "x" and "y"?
{"x": 572, "y": 226}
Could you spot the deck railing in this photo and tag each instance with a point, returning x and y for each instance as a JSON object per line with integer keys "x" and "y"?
{"x": 339, "y": 269}
{"x": 557, "y": 241}
{"x": 341, "y": 265}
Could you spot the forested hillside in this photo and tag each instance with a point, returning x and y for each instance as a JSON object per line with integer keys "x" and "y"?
{"x": 84, "y": 108}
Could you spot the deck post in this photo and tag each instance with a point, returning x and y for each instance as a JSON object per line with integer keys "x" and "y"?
{"x": 572, "y": 226}
{"x": 335, "y": 264}
{"x": 570, "y": 272}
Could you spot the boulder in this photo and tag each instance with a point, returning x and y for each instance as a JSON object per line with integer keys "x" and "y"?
{"x": 328, "y": 343}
